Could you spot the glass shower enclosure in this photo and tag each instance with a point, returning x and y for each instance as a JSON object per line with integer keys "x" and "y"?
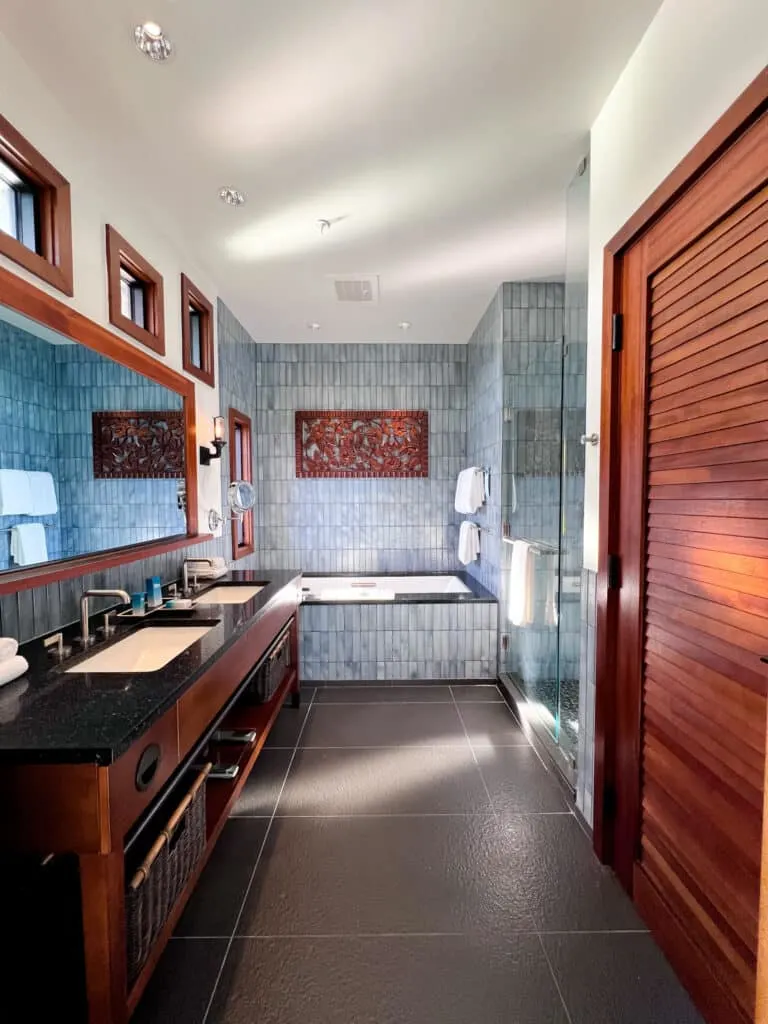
{"x": 543, "y": 501}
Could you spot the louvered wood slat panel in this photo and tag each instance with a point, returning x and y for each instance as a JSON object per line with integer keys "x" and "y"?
{"x": 706, "y": 589}
{"x": 721, "y": 238}
{"x": 733, "y": 280}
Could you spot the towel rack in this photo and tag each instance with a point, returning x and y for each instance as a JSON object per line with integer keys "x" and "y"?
{"x": 10, "y": 529}
{"x": 538, "y": 547}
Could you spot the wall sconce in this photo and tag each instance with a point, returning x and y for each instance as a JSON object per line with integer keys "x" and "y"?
{"x": 218, "y": 443}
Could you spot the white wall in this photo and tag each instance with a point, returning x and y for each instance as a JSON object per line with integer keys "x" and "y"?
{"x": 100, "y": 195}
{"x": 695, "y": 59}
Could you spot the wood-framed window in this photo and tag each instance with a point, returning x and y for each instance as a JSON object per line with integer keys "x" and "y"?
{"x": 135, "y": 291}
{"x": 196, "y": 332}
{"x": 35, "y": 211}
{"x": 241, "y": 468}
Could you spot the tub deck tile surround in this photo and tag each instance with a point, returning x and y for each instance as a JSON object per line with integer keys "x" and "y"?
{"x": 440, "y": 637}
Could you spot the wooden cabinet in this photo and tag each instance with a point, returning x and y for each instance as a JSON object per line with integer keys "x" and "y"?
{"x": 92, "y": 811}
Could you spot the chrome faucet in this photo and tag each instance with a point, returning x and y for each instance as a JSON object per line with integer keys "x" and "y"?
{"x": 85, "y": 639}
{"x": 185, "y": 588}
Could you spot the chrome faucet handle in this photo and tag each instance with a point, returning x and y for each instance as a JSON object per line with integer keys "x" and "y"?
{"x": 56, "y": 647}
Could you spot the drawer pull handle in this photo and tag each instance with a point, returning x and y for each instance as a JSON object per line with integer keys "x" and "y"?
{"x": 147, "y": 767}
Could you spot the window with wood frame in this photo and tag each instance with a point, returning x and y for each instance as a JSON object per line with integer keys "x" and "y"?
{"x": 196, "y": 332}
{"x": 241, "y": 468}
{"x": 135, "y": 291}
{"x": 35, "y": 211}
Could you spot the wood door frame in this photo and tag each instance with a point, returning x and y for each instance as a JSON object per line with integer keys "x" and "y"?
{"x": 617, "y": 761}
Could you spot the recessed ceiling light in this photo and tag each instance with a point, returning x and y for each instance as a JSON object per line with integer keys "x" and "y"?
{"x": 232, "y": 196}
{"x": 313, "y": 325}
{"x": 405, "y": 325}
{"x": 151, "y": 40}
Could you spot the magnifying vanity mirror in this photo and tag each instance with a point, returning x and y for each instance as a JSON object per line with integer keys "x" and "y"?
{"x": 94, "y": 450}
{"x": 241, "y": 497}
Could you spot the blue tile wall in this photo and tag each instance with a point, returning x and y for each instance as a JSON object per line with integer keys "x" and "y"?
{"x": 358, "y": 525}
{"x": 395, "y": 642}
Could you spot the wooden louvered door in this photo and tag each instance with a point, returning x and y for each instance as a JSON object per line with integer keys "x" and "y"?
{"x": 693, "y": 543}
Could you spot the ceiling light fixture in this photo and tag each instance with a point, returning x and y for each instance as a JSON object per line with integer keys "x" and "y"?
{"x": 405, "y": 325}
{"x": 313, "y": 325}
{"x": 324, "y": 224}
{"x": 152, "y": 41}
{"x": 231, "y": 196}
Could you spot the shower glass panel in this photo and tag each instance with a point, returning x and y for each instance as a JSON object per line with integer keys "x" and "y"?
{"x": 573, "y": 458}
{"x": 543, "y": 491}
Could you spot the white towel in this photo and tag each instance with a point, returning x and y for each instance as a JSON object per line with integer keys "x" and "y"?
{"x": 28, "y": 545}
{"x": 470, "y": 491}
{"x": 15, "y": 493}
{"x": 469, "y": 542}
{"x": 43, "y": 492}
{"x": 12, "y": 669}
{"x": 521, "y": 584}
{"x": 9, "y": 648}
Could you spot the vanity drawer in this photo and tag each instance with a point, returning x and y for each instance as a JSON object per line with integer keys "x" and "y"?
{"x": 200, "y": 705}
{"x": 137, "y": 777}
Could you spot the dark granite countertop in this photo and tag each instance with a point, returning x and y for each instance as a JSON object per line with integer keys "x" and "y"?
{"x": 51, "y": 716}
{"x": 477, "y": 593}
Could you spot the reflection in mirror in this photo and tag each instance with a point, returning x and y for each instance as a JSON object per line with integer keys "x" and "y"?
{"x": 91, "y": 453}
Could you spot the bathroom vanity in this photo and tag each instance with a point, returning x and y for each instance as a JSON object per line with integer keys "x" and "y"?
{"x": 99, "y": 761}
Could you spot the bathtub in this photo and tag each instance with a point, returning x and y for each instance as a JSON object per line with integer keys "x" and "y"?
{"x": 350, "y": 589}
{"x": 393, "y": 628}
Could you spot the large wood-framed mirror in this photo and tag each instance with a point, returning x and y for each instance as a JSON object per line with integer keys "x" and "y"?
{"x": 97, "y": 445}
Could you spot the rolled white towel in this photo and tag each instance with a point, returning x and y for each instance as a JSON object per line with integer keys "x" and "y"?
{"x": 8, "y": 647}
{"x": 12, "y": 668}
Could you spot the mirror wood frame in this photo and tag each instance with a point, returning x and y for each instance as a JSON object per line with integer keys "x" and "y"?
{"x": 23, "y": 297}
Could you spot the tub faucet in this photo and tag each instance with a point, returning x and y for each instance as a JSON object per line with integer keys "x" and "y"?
{"x": 85, "y": 639}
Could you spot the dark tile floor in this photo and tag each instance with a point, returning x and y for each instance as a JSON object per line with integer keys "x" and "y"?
{"x": 401, "y": 855}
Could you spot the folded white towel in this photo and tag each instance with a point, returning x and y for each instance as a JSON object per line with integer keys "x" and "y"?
{"x": 9, "y": 647}
{"x": 12, "y": 669}
{"x": 469, "y": 542}
{"x": 15, "y": 493}
{"x": 470, "y": 490}
{"x": 43, "y": 492}
{"x": 28, "y": 545}
{"x": 521, "y": 584}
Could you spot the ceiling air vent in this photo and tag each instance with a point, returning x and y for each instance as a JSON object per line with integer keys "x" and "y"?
{"x": 357, "y": 288}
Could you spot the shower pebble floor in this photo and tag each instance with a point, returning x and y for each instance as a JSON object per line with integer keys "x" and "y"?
{"x": 401, "y": 855}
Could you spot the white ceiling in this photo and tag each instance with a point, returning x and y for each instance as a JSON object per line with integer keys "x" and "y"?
{"x": 439, "y": 135}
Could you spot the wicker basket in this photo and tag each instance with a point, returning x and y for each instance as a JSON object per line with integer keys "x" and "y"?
{"x": 164, "y": 872}
{"x": 271, "y": 673}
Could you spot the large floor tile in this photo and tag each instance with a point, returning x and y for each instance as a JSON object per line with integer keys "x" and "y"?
{"x": 183, "y": 983}
{"x": 287, "y": 729}
{"x": 609, "y": 978}
{"x": 384, "y": 780}
{"x": 568, "y": 887}
{"x": 491, "y": 724}
{"x": 350, "y": 876}
{"x": 217, "y": 899}
{"x": 436, "y": 980}
{"x": 518, "y": 782}
{"x": 259, "y": 795}
{"x": 473, "y": 693}
{"x": 383, "y": 695}
{"x": 383, "y": 725}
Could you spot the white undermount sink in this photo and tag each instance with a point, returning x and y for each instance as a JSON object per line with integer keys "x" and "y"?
{"x": 146, "y": 650}
{"x": 229, "y": 595}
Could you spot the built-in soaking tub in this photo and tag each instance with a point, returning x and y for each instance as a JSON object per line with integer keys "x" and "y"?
{"x": 395, "y": 627}
{"x": 379, "y": 588}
